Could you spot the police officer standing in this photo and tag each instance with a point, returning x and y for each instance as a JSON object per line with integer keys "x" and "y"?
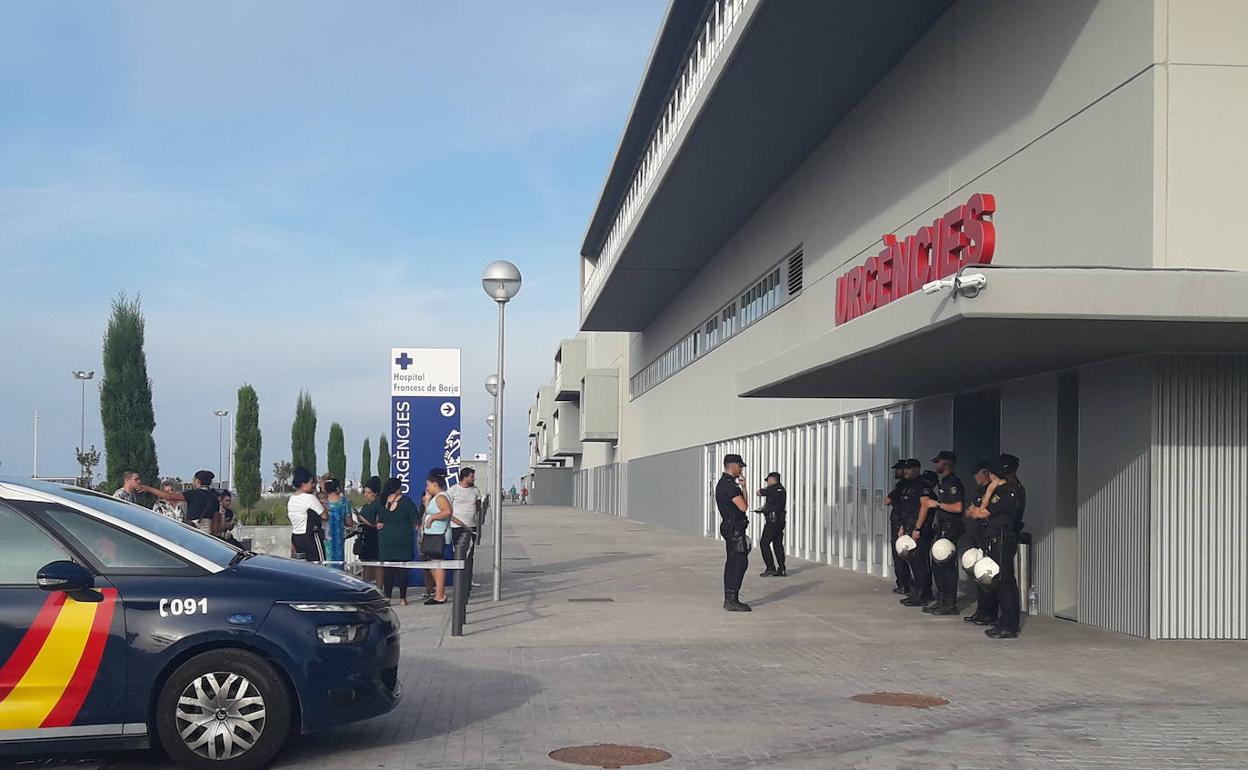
{"x": 901, "y": 567}
{"x": 918, "y": 524}
{"x": 985, "y": 613}
{"x": 773, "y": 510}
{"x": 946, "y": 508}
{"x": 730, "y": 501}
{"x": 1001, "y": 515}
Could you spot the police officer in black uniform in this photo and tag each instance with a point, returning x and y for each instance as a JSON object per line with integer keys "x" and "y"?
{"x": 946, "y": 509}
{"x": 901, "y": 567}
{"x": 918, "y": 524}
{"x": 976, "y": 536}
{"x": 773, "y": 510}
{"x": 730, "y": 500}
{"x": 1009, "y": 463}
{"x": 1002, "y": 514}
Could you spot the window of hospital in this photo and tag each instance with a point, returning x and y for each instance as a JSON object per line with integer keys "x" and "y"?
{"x": 767, "y": 293}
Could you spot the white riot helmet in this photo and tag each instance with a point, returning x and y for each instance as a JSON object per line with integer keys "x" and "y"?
{"x": 943, "y": 550}
{"x": 905, "y": 546}
{"x": 969, "y": 558}
{"x": 986, "y": 571}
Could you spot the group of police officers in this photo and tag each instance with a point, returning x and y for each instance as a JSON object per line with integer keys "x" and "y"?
{"x": 934, "y": 531}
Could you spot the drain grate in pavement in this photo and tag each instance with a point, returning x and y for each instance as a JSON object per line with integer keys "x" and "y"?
{"x": 610, "y": 755}
{"x": 592, "y": 599}
{"x": 907, "y": 699}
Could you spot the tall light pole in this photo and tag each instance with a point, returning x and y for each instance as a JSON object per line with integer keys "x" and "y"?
{"x": 222, "y": 414}
{"x": 501, "y": 281}
{"x": 83, "y": 376}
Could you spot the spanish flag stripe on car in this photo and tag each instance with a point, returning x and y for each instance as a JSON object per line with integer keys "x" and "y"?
{"x": 50, "y": 688}
{"x": 66, "y": 708}
{"x": 15, "y": 667}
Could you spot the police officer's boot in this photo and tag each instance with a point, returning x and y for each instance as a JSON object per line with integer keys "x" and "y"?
{"x": 782, "y": 572}
{"x": 733, "y": 604}
{"x": 915, "y": 599}
{"x": 948, "y": 605}
{"x": 769, "y": 572}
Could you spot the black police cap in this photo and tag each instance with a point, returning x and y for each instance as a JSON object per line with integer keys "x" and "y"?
{"x": 734, "y": 459}
{"x": 945, "y": 455}
{"x": 913, "y": 463}
{"x": 900, "y": 464}
{"x": 1009, "y": 461}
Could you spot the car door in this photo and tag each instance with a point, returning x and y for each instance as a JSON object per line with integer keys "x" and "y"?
{"x": 62, "y": 657}
{"x": 165, "y": 598}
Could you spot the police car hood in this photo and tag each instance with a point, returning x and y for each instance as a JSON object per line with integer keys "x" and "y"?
{"x": 293, "y": 580}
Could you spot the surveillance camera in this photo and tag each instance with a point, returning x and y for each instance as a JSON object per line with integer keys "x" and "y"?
{"x": 967, "y": 285}
{"x": 971, "y": 284}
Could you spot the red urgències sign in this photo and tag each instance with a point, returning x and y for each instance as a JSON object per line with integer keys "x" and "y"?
{"x": 964, "y": 236}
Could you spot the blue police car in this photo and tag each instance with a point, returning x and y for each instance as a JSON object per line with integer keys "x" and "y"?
{"x": 122, "y": 628}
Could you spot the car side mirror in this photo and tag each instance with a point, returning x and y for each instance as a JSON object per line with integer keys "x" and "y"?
{"x": 64, "y": 576}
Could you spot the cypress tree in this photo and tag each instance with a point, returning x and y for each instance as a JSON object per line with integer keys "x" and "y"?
{"x": 303, "y": 434}
{"x": 247, "y": 447}
{"x": 337, "y": 453}
{"x": 366, "y": 467}
{"x": 383, "y": 459}
{"x": 126, "y": 397}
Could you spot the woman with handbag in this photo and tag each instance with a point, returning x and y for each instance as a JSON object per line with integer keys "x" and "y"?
{"x": 369, "y": 519}
{"x": 433, "y": 529}
{"x": 394, "y": 537}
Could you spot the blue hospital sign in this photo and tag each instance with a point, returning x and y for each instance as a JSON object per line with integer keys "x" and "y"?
{"x": 424, "y": 415}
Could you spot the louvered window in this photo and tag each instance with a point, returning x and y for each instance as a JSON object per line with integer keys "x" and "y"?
{"x": 795, "y": 272}
{"x": 777, "y": 286}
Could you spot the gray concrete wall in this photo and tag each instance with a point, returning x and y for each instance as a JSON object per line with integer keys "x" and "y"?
{"x": 667, "y": 489}
{"x": 1202, "y": 106}
{"x": 1035, "y": 117}
{"x": 551, "y": 486}
{"x": 1029, "y": 429}
{"x": 1115, "y": 482}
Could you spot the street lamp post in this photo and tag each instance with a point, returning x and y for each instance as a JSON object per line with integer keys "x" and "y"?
{"x": 501, "y": 281}
{"x": 222, "y": 414}
{"x": 83, "y": 376}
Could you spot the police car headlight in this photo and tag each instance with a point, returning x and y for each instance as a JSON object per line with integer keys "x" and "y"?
{"x": 342, "y": 633}
{"x": 325, "y": 607}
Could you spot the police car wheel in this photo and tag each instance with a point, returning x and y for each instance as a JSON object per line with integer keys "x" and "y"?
{"x": 223, "y": 710}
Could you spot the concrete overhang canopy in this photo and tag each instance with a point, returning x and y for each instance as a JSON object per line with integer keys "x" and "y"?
{"x": 796, "y": 69}
{"x": 1026, "y": 321}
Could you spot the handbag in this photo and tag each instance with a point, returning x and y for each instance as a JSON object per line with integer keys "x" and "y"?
{"x": 432, "y": 545}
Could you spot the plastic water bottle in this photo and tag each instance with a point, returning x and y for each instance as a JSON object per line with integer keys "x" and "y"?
{"x": 1033, "y": 601}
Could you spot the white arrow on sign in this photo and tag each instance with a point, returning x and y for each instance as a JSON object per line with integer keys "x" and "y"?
{"x": 448, "y": 409}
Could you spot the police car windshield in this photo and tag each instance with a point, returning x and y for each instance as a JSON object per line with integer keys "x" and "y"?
{"x": 200, "y": 543}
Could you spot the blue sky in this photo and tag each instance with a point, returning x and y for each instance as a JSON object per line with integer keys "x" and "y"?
{"x": 293, "y": 188}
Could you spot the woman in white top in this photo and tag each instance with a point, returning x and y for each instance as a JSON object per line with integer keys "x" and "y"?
{"x": 305, "y": 513}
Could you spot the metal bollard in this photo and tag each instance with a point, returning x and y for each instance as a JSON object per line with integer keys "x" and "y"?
{"x": 1022, "y": 570}
{"x": 464, "y": 550}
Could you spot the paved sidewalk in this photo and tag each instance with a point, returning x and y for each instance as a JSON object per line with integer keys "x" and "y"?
{"x": 660, "y": 664}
